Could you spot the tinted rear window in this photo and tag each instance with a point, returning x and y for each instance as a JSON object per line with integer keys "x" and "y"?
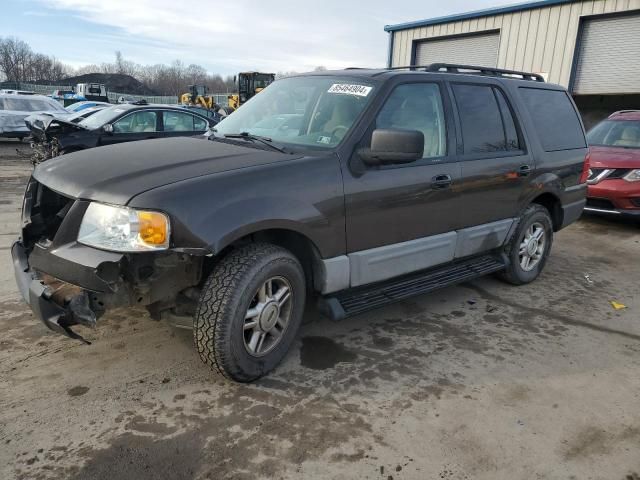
{"x": 554, "y": 118}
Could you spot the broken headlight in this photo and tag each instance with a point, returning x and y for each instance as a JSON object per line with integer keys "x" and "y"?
{"x": 124, "y": 229}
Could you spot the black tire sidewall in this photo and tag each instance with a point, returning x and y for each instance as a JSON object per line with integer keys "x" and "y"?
{"x": 536, "y": 215}
{"x": 251, "y": 367}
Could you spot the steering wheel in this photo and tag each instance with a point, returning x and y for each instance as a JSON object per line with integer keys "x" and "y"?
{"x": 336, "y": 131}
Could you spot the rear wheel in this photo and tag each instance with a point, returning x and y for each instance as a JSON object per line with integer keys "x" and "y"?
{"x": 249, "y": 311}
{"x": 529, "y": 248}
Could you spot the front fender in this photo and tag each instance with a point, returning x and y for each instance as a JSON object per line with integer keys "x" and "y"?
{"x": 211, "y": 211}
{"x": 231, "y": 221}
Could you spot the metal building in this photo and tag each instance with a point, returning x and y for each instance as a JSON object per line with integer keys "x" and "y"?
{"x": 592, "y": 47}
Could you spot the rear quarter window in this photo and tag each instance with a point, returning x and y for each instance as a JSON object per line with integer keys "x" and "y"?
{"x": 554, "y": 118}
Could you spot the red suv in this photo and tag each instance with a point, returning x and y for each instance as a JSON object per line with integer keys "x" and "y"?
{"x": 614, "y": 178}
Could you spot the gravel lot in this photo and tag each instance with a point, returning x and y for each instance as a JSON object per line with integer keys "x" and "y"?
{"x": 479, "y": 381}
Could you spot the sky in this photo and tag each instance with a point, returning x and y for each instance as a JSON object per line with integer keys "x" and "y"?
{"x": 223, "y": 36}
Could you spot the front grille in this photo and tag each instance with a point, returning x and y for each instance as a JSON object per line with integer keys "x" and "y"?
{"x": 43, "y": 212}
{"x": 613, "y": 174}
{"x": 601, "y": 203}
{"x": 619, "y": 173}
{"x": 594, "y": 172}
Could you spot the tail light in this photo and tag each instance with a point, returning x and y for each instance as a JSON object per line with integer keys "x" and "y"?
{"x": 586, "y": 167}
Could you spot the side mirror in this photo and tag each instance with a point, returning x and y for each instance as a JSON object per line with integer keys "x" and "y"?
{"x": 391, "y": 146}
{"x": 108, "y": 128}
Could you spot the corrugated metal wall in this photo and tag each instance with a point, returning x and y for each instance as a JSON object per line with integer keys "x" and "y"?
{"x": 540, "y": 40}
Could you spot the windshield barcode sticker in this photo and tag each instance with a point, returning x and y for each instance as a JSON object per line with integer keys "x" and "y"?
{"x": 359, "y": 90}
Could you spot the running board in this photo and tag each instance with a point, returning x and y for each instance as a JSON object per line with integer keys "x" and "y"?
{"x": 357, "y": 300}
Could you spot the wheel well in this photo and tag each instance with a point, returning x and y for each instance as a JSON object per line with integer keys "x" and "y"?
{"x": 552, "y": 204}
{"x": 299, "y": 245}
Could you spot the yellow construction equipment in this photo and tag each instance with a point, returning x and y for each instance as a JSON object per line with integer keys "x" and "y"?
{"x": 249, "y": 83}
{"x": 198, "y": 96}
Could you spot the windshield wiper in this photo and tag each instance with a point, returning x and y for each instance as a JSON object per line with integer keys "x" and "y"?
{"x": 255, "y": 138}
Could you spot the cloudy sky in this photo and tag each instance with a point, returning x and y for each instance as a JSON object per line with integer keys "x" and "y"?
{"x": 223, "y": 36}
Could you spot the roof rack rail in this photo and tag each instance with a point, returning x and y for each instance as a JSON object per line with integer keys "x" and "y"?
{"x": 623, "y": 111}
{"x": 493, "y": 72}
{"x": 474, "y": 70}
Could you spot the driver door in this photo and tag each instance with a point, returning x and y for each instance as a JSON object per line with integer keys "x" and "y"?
{"x": 140, "y": 125}
{"x": 402, "y": 218}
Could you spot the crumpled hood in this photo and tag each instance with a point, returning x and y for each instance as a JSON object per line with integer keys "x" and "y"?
{"x": 117, "y": 173}
{"x": 41, "y": 124}
{"x": 614, "y": 157}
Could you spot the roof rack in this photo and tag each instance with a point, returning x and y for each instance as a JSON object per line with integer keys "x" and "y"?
{"x": 474, "y": 70}
{"x": 623, "y": 111}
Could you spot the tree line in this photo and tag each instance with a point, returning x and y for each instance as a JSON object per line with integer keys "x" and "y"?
{"x": 19, "y": 63}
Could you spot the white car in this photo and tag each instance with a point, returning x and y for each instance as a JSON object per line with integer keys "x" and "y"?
{"x": 15, "y": 108}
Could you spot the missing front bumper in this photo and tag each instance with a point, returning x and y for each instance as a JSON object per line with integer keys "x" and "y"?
{"x": 58, "y": 309}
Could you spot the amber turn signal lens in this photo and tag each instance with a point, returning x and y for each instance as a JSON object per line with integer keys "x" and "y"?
{"x": 153, "y": 228}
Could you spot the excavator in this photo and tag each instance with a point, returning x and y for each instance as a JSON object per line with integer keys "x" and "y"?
{"x": 249, "y": 83}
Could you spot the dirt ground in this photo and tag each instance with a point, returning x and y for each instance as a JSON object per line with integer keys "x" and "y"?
{"x": 478, "y": 381}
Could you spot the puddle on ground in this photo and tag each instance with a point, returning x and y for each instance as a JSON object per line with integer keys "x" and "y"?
{"x": 321, "y": 353}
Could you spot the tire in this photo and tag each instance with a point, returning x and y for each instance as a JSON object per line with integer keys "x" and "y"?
{"x": 535, "y": 218}
{"x": 232, "y": 293}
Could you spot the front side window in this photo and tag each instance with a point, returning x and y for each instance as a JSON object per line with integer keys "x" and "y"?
{"x": 486, "y": 127}
{"x": 616, "y": 133}
{"x": 417, "y": 106}
{"x": 314, "y": 111}
{"x": 138, "y": 122}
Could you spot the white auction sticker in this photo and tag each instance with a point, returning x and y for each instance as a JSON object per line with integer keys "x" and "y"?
{"x": 359, "y": 90}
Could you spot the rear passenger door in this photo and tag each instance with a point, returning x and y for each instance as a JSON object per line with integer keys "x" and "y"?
{"x": 495, "y": 165}
{"x": 182, "y": 124}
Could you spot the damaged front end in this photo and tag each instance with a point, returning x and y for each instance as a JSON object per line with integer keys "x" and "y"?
{"x": 45, "y": 130}
{"x": 67, "y": 283}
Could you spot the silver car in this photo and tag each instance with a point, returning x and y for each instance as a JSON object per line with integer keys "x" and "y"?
{"x": 15, "y": 108}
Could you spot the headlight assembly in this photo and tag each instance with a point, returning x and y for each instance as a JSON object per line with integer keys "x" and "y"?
{"x": 633, "y": 176}
{"x": 124, "y": 229}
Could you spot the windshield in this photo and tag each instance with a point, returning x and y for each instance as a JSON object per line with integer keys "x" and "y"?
{"x": 312, "y": 111}
{"x": 616, "y": 133}
{"x": 104, "y": 116}
{"x": 30, "y": 105}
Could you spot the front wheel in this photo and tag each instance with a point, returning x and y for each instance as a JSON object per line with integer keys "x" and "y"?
{"x": 249, "y": 311}
{"x": 529, "y": 248}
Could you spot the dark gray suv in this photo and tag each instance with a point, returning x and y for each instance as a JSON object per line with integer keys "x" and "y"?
{"x": 353, "y": 188}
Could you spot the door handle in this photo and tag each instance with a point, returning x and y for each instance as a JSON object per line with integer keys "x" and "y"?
{"x": 524, "y": 170}
{"x": 440, "y": 182}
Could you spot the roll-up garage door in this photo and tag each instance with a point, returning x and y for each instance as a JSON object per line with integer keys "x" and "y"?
{"x": 481, "y": 49}
{"x": 609, "y": 56}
